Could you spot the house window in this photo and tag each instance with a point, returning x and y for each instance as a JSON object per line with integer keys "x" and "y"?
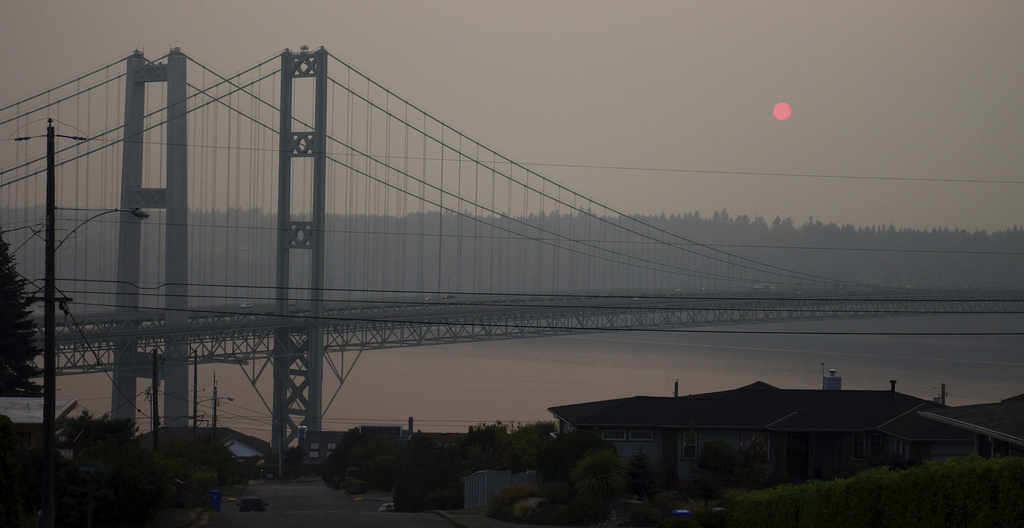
{"x": 760, "y": 436}
{"x": 903, "y": 447}
{"x": 330, "y": 446}
{"x": 314, "y": 454}
{"x": 641, "y": 435}
{"x": 866, "y": 445}
{"x": 689, "y": 444}
{"x": 314, "y": 446}
{"x": 613, "y": 434}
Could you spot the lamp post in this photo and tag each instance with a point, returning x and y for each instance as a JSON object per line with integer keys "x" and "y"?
{"x": 50, "y": 328}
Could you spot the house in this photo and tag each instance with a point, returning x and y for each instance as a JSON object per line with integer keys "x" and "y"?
{"x": 317, "y": 445}
{"x": 27, "y": 416}
{"x": 997, "y": 429}
{"x": 807, "y": 433}
{"x": 241, "y": 445}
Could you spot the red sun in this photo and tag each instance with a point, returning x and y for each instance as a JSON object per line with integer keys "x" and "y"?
{"x": 782, "y": 111}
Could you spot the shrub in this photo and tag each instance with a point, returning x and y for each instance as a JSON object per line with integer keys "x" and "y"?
{"x": 556, "y": 492}
{"x": 713, "y": 518}
{"x": 646, "y": 514}
{"x": 964, "y": 491}
{"x": 382, "y": 471}
{"x": 355, "y": 486}
{"x": 600, "y": 477}
{"x": 447, "y": 499}
{"x": 559, "y": 456}
{"x": 503, "y": 501}
{"x": 580, "y": 512}
{"x": 678, "y": 522}
{"x": 641, "y": 475}
{"x": 718, "y": 456}
{"x": 523, "y": 509}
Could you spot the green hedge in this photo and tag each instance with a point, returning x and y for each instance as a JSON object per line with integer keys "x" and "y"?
{"x": 965, "y": 491}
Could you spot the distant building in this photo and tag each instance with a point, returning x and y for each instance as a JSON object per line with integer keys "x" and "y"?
{"x": 241, "y": 445}
{"x": 27, "y": 415}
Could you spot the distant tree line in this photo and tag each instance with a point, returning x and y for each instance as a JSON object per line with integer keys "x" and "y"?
{"x": 426, "y": 253}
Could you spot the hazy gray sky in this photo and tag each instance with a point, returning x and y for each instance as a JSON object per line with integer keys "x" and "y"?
{"x": 883, "y": 93}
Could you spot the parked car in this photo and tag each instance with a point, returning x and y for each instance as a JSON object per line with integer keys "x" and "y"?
{"x": 252, "y": 503}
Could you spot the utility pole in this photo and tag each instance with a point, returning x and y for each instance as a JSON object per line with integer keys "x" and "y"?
{"x": 214, "y": 406}
{"x": 156, "y": 402}
{"x": 50, "y": 336}
{"x": 195, "y": 393}
{"x": 48, "y": 478}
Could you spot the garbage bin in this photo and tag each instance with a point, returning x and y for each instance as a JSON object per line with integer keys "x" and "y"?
{"x": 215, "y": 496}
{"x": 336, "y": 484}
{"x": 686, "y": 514}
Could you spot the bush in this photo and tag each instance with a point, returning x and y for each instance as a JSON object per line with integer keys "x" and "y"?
{"x": 556, "y": 492}
{"x": 964, "y": 491}
{"x": 600, "y": 477}
{"x": 382, "y": 471}
{"x": 355, "y": 486}
{"x": 641, "y": 475}
{"x": 449, "y": 499}
{"x": 580, "y": 512}
{"x": 679, "y": 522}
{"x": 503, "y": 501}
{"x": 713, "y": 518}
{"x": 559, "y": 456}
{"x": 646, "y": 514}
{"x": 718, "y": 456}
{"x": 523, "y": 509}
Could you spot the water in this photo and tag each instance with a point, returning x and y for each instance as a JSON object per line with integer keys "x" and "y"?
{"x": 448, "y": 388}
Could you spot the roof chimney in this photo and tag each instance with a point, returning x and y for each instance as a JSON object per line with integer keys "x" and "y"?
{"x": 832, "y": 382}
{"x": 892, "y": 387}
{"x": 410, "y": 426}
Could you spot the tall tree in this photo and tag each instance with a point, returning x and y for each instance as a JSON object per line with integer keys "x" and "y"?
{"x": 18, "y": 348}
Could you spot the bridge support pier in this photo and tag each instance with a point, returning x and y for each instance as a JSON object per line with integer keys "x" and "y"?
{"x": 173, "y": 197}
{"x": 298, "y": 349}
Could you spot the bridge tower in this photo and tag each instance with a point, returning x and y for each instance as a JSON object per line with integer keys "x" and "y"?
{"x": 173, "y": 198}
{"x": 299, "y": 349}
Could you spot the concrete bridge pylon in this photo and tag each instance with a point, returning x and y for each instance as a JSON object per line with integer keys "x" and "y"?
{"x": 173, "y": 198}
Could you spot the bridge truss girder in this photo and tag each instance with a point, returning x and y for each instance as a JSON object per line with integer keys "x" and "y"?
{"x": 94, "y": 345}
{"x": 264, "y": 343}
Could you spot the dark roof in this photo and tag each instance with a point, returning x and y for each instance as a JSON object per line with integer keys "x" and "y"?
{"x": 223, "y": 434}
{"x": 761, "y": 406}
{"x": 1004, "y": 420}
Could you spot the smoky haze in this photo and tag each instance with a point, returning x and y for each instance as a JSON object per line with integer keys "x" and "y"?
{"x": 908, "y": 114}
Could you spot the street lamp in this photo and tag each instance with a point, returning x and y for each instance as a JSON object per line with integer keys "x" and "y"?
{"x": 50, "y": 331}
{"x": 141, "y": 214}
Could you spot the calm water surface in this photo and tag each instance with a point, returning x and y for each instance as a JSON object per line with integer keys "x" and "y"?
{"x": 450, "y": 387}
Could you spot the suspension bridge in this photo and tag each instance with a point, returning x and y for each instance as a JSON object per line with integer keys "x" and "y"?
{"x": 300, "y": 211}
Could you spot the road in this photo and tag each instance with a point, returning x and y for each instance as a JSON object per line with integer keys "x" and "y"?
{"x": 312, "y": 504}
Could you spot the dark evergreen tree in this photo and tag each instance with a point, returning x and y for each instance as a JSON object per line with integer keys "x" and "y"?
{"x": 11, "y": 508}
{"x": 18, "y": 349}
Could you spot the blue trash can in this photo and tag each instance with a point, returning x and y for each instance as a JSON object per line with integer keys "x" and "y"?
{"x": 686, "y": 514}
{"x": 215, "y": 496}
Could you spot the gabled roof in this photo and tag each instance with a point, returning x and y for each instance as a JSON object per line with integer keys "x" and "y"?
{"x": 758, "y": 406}
{"x": 225, "y": 435}
{"x": 1004, "y": 420}
{"x": 29, "y": 411}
